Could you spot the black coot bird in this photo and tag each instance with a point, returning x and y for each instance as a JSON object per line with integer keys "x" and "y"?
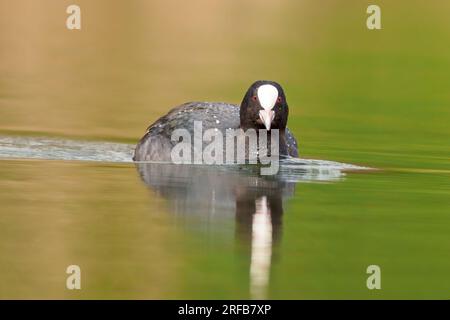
{"x": 264, "y": 107}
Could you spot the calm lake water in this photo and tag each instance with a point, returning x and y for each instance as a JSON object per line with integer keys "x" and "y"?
{"x": 74, "y": 103}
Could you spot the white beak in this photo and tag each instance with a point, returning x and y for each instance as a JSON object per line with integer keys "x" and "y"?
{"x": 267, "y": 96}
{"x": 266, "y": 117}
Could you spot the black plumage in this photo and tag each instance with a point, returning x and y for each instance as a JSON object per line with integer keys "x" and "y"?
{"x": 156, "y": 144}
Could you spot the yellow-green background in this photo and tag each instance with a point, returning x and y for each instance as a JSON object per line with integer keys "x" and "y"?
{"x": 378, "y": 98}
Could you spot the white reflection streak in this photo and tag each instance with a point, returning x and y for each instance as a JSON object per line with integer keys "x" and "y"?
{"x": 261, "y": 253}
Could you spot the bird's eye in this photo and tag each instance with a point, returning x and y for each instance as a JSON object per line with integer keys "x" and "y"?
{"x": 279, "y": 99}
{"x": 254, "y": 98}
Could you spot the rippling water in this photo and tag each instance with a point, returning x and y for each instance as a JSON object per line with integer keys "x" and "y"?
{"x": 358, "y": 99}
{"x": 203, "y": 194}
{"x": 64, "y": 149}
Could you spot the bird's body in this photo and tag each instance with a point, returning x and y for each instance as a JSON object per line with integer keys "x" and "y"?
{"x": 157, "y": 143}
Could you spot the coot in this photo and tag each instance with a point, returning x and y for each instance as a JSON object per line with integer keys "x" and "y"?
{"x": 264, "y": 107}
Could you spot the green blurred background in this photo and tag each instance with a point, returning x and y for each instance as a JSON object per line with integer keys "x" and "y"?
{"x": 378, "y": 98}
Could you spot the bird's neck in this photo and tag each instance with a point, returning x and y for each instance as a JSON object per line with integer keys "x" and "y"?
{"x": 283, "y": 149}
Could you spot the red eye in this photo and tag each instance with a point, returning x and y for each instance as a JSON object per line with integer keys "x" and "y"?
{"x": 254, "y": 98}
{"x": 279, "y": 99}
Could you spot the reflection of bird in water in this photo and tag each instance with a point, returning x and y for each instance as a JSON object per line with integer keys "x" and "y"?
{"x": 258, "y": 227}
{"x": 254, "y": 202}
{"x": 261, "y": 252}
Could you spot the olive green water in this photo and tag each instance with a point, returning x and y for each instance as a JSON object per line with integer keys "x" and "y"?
{"x": 374, "y": 98}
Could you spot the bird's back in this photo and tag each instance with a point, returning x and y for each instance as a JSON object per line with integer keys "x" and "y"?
{"x": 156, "y": 144}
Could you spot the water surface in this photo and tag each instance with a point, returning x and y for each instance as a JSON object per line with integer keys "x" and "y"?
{"x": 73, "y": 104}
